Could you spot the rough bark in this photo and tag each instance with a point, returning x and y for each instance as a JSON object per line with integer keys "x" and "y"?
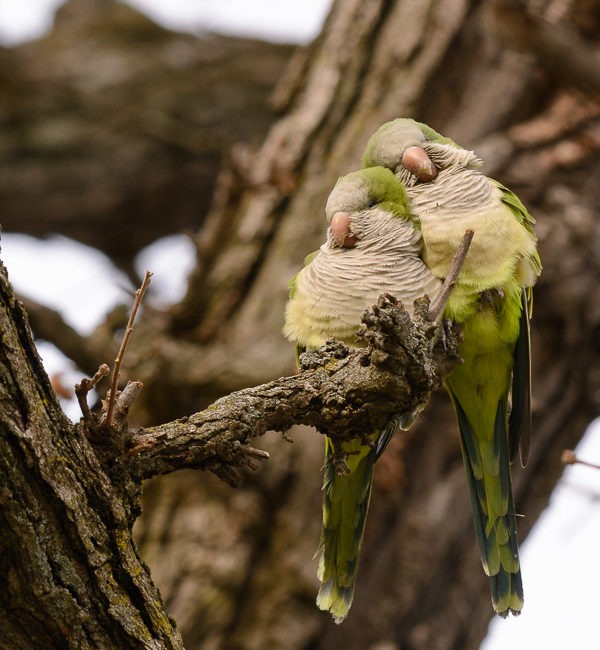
{"x": 235, "y": 566}
{"x": 72, "y": 574}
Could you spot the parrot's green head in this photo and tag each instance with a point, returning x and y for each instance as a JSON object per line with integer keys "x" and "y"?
{"x": 414, "y": 151}
{"x": 366, "y": 205}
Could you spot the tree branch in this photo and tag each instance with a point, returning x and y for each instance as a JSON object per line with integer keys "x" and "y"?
{"x": 340, "y": 391}
{"x": 84, "y": 387}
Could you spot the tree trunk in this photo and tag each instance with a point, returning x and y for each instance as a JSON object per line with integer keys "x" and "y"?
{"x": 71, "y": 573}
{"x": 235, "y": 567}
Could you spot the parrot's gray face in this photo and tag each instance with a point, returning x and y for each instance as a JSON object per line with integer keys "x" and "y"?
{"x": 406, "y": 150}
{"x": 349, "y": 207}
{"x": 349, "y": 195}
{"x": 356, "y": 215}
{"x": 393, "y": 140}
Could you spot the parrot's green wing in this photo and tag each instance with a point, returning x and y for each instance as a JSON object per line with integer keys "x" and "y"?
{"x": 519, "y": 424}
{"x": 515, "y": 205}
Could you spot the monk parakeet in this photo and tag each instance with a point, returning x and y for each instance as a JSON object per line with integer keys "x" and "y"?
{"x": 492, "y": 298}
{"x": 373, "y": 246}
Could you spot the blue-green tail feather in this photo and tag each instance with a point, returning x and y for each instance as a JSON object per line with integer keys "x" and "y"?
{"x": 345, "y": 506}
{"x": 496, "y": 536}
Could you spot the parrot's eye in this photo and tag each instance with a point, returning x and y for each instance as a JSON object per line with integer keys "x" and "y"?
{"x": 416, "y": 161}
{"x": 371, "y": 204}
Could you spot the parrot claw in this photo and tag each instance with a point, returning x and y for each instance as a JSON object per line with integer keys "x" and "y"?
{"x": 490, "y": 297}
{"x": 341, "y": 466}
{"x": 446, "y": 332}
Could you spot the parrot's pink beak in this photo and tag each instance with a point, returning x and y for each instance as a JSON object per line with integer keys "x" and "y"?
{"x": 340, "y": 229}
{"x": 416, "y": 160}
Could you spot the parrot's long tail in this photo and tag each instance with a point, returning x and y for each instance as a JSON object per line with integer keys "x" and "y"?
{"x": 345, "y": 505}
{"x": 487, "y": 467}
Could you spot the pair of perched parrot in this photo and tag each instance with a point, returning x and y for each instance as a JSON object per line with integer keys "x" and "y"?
{"x": 394, "y": 226}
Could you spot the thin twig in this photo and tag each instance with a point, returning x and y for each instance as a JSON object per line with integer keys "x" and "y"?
{"x": 568, "y": 457}
{"x": 439, "y": 302}
{"x": 139, "y": 296}
{"x": 84, "y": 387}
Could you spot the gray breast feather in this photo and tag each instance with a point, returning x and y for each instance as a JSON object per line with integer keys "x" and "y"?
{"x": 344, "y": 283}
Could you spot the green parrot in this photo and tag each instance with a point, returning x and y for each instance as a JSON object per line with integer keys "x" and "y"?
{"x": 491, "y": 300}
{"x": 373, "y": 246}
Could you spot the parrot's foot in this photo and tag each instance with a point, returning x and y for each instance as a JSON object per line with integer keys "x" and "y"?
{"x": 491, "y": 298}
{"x": 448, "y": 335}
{"x": 339, "y": 458}
{"x": 340, "y": 465}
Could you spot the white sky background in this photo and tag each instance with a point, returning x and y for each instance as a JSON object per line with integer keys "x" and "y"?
{"x": 294, "y": 21}
{"x": 560, "y": 559}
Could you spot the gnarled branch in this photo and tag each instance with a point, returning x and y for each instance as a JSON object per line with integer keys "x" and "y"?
{"x": 341, "y": 391}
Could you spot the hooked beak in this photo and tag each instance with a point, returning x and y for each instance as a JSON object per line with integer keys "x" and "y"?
{"x": 416, "y": 160}
{"x": 340, "y": 229}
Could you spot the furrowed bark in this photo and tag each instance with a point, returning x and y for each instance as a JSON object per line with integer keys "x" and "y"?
{"x": 71, "y": 572}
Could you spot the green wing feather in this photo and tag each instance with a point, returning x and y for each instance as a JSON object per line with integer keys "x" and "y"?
{"x": 519, "y": 426}
{"x": 515, "y": 205}
{"x": 519, "y": 423}
{"x": 480, "y": 389}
